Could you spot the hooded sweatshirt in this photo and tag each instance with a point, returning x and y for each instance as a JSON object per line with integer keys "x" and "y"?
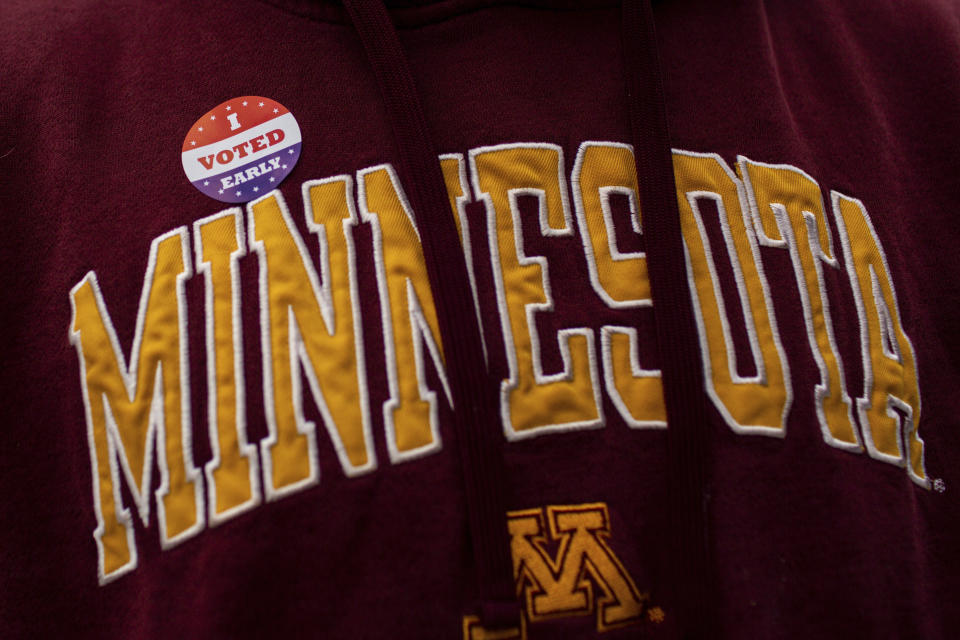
{"x": 479, "y": 319}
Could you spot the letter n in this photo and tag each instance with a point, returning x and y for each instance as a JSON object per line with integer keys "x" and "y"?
{"x": 136, "y": 408}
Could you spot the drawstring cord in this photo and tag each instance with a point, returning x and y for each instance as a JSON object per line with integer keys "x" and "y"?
{"x": 474, "y": 395}
{"x": 690, "y": 566}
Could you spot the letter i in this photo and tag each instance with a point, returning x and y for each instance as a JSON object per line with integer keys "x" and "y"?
{"x": 232, "y": 474}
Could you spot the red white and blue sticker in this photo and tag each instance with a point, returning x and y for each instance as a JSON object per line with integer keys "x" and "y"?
{"x": 241, "y": 149}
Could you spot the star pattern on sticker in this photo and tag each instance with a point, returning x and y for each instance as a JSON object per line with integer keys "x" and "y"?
{"x": 272, "y": 179}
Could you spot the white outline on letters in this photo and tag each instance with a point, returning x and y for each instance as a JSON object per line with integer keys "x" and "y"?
{"x": 156, "y": 425}
{"x": 299, "y": 359}
{"x": 745, "y": 306}
{"x": 907, "y": 425}
{"x": 531, "y": 309}
{"x": 418, "y": 324}
{"x": 247, "y": 449}
{"x": 789, "y": 241}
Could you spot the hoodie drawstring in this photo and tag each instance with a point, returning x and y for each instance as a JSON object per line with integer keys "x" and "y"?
{"x": 474, "y": 394}
{"x": 689, "y": 566}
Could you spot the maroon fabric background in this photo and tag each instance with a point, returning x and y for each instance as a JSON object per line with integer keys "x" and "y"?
{"x": 810, "y": 541}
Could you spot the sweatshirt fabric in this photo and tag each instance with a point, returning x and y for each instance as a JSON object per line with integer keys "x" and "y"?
{"x": 240, "y": 418}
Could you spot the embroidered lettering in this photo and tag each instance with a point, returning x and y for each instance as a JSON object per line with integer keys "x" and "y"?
{"x": 408, "y": 315}
{"x": 310, "y": 327}
{"x": 132, "y": 410}
{"x": 533, "y": 402}
{"x": 233, "y": 484}
{"x": 787, "y": 210}
{"x": 749, "y": 404}
{"x": 889, "y": 408}
{"x": 619, "y": 278}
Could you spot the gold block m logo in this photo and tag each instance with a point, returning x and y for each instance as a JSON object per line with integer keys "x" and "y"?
{"x": 564, "y": 566}
{"x": 584, "y": 576}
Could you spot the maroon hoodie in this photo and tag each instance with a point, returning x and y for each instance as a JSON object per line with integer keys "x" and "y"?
{"x": 394, "y": 340}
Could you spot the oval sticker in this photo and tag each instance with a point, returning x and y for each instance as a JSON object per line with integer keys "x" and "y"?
{"x": 241, "y": 149}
